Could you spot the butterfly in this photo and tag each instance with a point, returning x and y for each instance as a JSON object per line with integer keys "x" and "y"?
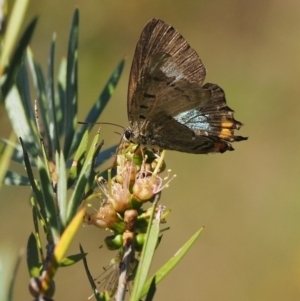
{"x": 168, "y": 106}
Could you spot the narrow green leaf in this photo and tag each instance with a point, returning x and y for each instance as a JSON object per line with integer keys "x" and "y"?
{"x": 49, "y": 199}
{"x": 83, "y": 179}
{"x": 33, "y": 262}
{"x": 99, "y": 105}
{"x": 146, "y": 256}
{"x": 54, "y": 136}
{"x": 6, "y": 152}
{"x": 14, "y": 26}
{"x": 105, "y": 155}
{"x": 152, "y": 290}
{"x": 37, "y": 217}
{"x": 22, "y": 126}
{"x": 34, "y": 185}
{"x": 72, "y": 259}
{"x": 91, "y": 181}
{"x": 40, "y": 89}
{"x": 60, "y": 100}
{"x": 17, "y": 155}
{"x": 17, "y": 58}
{"x": 13, "y": 178}
{"x": 62, "y": 189}
{"x": 23, "y": 85}
{"x": 168, "y": 266}
{"x": 71, "y": 86}
{"x": 78, "y": 160}
{"x": 22, "y": 82}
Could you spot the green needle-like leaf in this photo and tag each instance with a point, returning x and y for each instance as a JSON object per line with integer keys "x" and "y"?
{"x": 54, "y": 136}
{"x": 17, "y": 155}
{"x": 36, "y": 216}
{"x": 17, "y": 58}
{"x": 99, "y": 105}
{"x": 6, "y": 152}
{"x": 49, "y": 199}
{"x": 22, "y": 82}
{"x": 146, "y": 256}
{"x": 78, "y": 160}
{"x": 62, "y": 189}
{"x": 13, "y": 178}
{"x": 83, "y": 179}
{"x": 21, "y": 122}
{"x": 71, "y": 86}
{"x": 152, "y": 290}
{"x": 168, "y": 266}
{"x": 33, "y": 263}
{"x": 72, "y": 259}
{"x": 60, "y": 100}
{"x": 12, "y": 31}
{"x": 40, "y": 89}
{"x": 105, "y": 155}
{"x": 34, "y": 185}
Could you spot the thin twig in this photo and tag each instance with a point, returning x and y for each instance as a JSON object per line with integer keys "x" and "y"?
{"x": 130, "y": 217}
{"x": 124, "y": 265}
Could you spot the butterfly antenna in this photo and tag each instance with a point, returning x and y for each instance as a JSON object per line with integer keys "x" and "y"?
{"x": 107, "y": 123}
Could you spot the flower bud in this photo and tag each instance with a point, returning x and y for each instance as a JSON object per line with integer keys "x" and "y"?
{"x": 114, "y": 242}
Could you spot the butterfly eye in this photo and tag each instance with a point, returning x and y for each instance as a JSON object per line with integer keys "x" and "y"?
{"x": 127, "y": 134}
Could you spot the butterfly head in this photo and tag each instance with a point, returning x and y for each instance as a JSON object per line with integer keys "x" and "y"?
{"x": 128, "y": 135}
{"x": 135, "y": 137}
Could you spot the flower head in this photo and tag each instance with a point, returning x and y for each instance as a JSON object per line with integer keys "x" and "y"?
{"x": 137, "y": 181}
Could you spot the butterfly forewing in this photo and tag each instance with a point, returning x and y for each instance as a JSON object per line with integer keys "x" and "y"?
{"x": 156, "y": 92}
{"x": 159, "y": 37}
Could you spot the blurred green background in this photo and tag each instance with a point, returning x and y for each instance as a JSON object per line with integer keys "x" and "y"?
{"x": 248, "y": 199}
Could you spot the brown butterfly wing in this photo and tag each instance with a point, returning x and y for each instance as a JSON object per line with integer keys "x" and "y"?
{"x": 162, "y": 91}
{"x": 159, "y": 37}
